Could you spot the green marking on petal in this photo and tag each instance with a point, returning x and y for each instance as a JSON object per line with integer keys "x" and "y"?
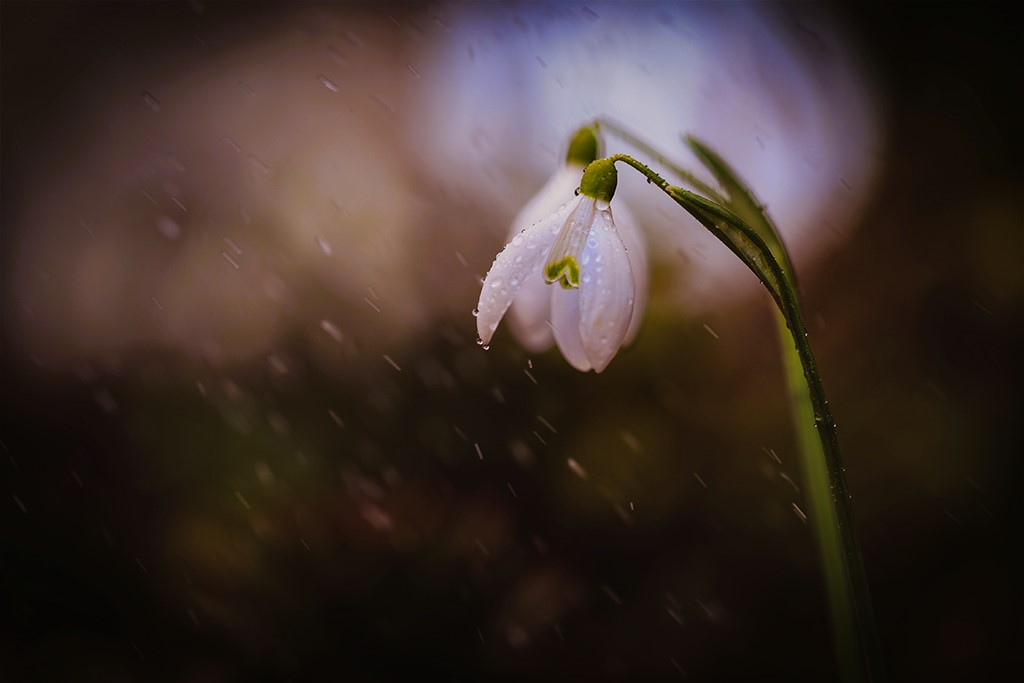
{"x": 563, "y": 262}
{"x": 565, "y": 270}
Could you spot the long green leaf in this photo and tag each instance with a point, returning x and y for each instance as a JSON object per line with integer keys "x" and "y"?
{"x": 741, "y": 200}
{"x": 828, "y": 495}
{"x": 741, "y": 239}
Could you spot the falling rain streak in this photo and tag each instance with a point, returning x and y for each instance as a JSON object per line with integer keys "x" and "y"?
{"x": 799, "y": 513}
{"x": 328, "y": 83}
{"x": 332, "y": 330}
{"x": 576, "y": 468}
{"x": 152, "y": 102}
{"x": 612, "y": 595}
{"x": 230, "y": 259}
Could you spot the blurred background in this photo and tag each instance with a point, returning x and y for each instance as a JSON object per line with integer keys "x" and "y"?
{"x": 246, "y": 430}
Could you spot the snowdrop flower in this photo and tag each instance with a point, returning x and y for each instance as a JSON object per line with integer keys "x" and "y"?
{"x": 529, "y": 316}
{"x": 602, "y": 281}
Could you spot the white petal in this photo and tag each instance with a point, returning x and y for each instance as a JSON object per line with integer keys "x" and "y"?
{"x": 565, "y": 316}
{"x": 563, "y": 262}
{"x": 606, "y": 292}
{"x": 636, "y": 250}
{"x": 559, "y": 188}
{"x": 521, "y": 258}
{"x": 529, "y": 317}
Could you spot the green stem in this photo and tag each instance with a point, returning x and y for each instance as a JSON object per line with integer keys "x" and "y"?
{"x": 828, "y": 495}
{"x": 821, "y": 509}
{"x": 628, "y": 137}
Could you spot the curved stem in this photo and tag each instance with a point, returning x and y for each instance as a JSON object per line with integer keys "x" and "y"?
{"x": 743, "y": 203}
{"x": 747, "y": 245}
{"x": 849, "y": 599}
{"x": 628, "y": 137}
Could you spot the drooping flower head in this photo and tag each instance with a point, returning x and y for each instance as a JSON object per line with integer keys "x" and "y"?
{"x": 568, "y": 275}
